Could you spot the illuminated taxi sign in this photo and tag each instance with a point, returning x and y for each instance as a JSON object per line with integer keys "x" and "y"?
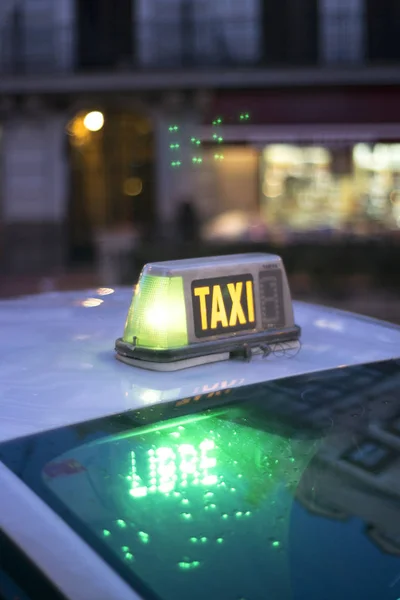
{"x": 223, "y": 305}
{"x": 191, "y": 311}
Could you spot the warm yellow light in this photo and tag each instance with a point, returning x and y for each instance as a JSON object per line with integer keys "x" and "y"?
{"x": 133, "y": 186}
{"x": 94, "y": 120}
{"x": 91, "y": 302}
{"x": 105, "y": 291}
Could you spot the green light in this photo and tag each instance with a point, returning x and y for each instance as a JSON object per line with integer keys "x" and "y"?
{"x": 144, "y": 537}
{"x": 225, "y": 516}
{"x": 193, "y": 540}
{"x": 185, "y": 501}
{"x": 185, "y": 565}
{"x": 106, "y": 533}
{"x": 138, "y": 492}
{"x": 239, "y": 514}
{"x": 219, "y": 540}
{"x": 121, "y": 523}
{"x": 186, "y": 516}
{"x": 157, "y": 315}
{"x": 203, "y": 540}
{"x": 125, "y": 549}
{"x": 129, "y": 556}
{"x": 276, "y": 544}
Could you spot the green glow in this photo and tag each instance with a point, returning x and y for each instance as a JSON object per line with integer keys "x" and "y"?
{"x": 152, "y": 460}
{"x": 157, "y": 315}
{"x": 168, "y": 468}
{"x": 188, "y": 565}
{"x": 144, "y": 537}
{"x": 121, "y": 523}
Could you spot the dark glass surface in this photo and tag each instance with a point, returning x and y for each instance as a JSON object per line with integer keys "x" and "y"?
{"x": 283, "y": 490}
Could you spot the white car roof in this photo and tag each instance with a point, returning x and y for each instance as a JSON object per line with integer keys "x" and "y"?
{"x": 58, "y": 365}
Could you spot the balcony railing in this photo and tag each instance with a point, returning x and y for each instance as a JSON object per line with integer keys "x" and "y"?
{"x": 200, "y": 44}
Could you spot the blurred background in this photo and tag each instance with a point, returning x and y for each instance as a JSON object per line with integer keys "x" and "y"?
{"x": 140, "y": 130}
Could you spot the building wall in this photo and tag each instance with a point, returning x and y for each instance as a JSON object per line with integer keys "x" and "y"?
{"x": 198, "y": 31}
{"x": 37, "y": 35}
{"x": 34, "y": 192}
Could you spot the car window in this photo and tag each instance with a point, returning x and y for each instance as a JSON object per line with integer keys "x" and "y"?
{"x": 286, "y": 489}
{"x": 20, "y": 579}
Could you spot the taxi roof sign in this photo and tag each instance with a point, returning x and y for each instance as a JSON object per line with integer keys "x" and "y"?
{"x": 191, "y": 311}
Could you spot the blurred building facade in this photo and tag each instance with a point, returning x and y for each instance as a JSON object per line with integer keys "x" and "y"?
{"x": 111, "y": 113}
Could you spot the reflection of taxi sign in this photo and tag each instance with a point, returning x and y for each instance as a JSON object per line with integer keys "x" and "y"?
{"x": 188, "y": 312}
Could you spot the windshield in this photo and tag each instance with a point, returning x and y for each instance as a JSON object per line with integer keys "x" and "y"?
{"x": 283, "y": 490}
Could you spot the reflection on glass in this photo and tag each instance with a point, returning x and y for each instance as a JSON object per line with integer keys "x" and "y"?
{"x": 185, "y": 495}
{"x": 290, "y": 491}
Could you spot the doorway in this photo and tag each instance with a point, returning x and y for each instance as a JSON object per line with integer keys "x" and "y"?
{"x": 112, "y": 179}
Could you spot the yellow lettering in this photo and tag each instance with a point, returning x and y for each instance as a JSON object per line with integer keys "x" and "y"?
{"x": 237, "y": 310}
{"x": 250, "y": 300}
{"x": 218, "y": 312}
{"x": 201, "y": 293}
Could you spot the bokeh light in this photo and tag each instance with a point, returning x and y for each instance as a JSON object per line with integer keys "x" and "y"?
{"x": 94, "y": 120}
